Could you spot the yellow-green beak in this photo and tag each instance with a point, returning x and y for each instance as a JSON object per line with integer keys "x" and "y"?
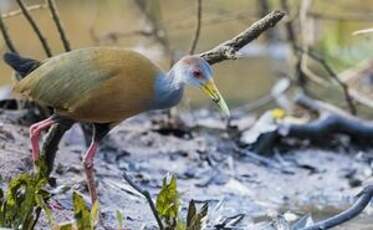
{"x": 210, "y": 89}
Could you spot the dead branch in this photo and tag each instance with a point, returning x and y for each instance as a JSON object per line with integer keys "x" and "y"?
{"x": 56, "y": 18}
{"x": 292, "y": 39}
{"x": 198, "y": 27}
{"x": 35, "y": 27}
{"x": 331, "y": 120}
{"x": 364, "y": 198}
{"x": 228, "y": 50}
{"x": 19, "y": 12}
{"x": 264, "y": 7}
{"x": 321, "y": 60}
{"x": 302, "y": 52}
{"x": 158, "y": 32}
{"x": 7, "y": 39}
{"x": 180, "y": 25}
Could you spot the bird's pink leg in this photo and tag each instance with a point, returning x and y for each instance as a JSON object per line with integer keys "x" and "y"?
{"x": 35, "y": 132}
{"x": 88, "y": 162}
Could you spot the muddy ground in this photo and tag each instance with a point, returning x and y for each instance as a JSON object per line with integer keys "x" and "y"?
{"x": 209, "y": 166}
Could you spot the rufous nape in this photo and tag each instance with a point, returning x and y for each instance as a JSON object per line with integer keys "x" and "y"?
{"x": 104, "y": 86}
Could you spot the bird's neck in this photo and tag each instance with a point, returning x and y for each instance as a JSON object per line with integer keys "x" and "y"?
{"x": 168, "y": 90}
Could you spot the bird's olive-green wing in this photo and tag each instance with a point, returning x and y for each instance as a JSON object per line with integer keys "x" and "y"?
{"x": 85, "y": 84}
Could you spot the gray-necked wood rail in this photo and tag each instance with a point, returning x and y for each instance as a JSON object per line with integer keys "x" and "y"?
{"x": 105, "y": 86}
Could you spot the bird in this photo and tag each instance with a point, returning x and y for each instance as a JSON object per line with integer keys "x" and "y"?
{"x": 104, "y": 86}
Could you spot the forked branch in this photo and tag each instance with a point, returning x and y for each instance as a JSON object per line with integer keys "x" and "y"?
{"x": 229, "y": 50}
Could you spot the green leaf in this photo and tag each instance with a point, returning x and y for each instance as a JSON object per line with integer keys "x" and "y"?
{"x": 167, "y": 203}
{"x": 41, "y": 203}
{"x": 21, "y": 205}
{"x": 195, "y": 220}
{"x": 81, "y": 212}
{"x": 24, "y": 200}
{"x": 192, "y": 211}
{"x": 120, "y": 219}
{"x": 95, "y": 212}
{"x": 65, "y": 226}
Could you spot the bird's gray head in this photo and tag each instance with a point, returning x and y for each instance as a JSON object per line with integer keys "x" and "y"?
{"x": 195, "y": 71}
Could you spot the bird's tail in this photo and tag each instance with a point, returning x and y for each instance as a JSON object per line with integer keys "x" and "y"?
{"x": 23, "y": 66}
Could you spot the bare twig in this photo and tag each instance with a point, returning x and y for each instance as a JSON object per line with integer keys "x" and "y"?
{"x": 157, "y": 31}
{"x": 7, "y": 39}
{"x": 228, "y": 50}
{"x": 292, "y": 39}
{"x": 35, "y": 27}
{"x": 331, "y": 120}
{"x": 18, "y": 12}
{"x": 361, "y": 203}
{"x": 56, "y": 18}
{"x": 146, "y": 194}
{"x": 198, "y": 27}
{"x": 264, "y": 7}
{"x": 349, "y": 100}
{"x": 243, "y": 16}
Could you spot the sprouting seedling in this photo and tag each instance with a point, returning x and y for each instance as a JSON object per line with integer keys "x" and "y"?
{"x": 168, "y": 205}
{"x": 120, "y": 220}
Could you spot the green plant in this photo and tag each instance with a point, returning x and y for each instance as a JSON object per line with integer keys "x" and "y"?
{"x": 168, "y": 204}
{"x": 25, "y": 198}
{"x": 21, "y": 205}
{"x": 120, "y": 218}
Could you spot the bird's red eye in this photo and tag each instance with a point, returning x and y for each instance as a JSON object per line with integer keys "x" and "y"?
{"x": 197, "y": 73}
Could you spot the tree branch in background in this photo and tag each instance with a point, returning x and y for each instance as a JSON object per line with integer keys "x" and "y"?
{"x": 264, "y": 7}
{"x": 156, "y": 30}
{"x": 242, "y": 16}
{"x": 318, "y": 58}
{"x": 292, "y": 39}
{"x": 57, "y": 21}
{"x": 35, "y": 27}
{"x": 19, "y": 12}
{"x": 198, "y": 28}
{"x": 364, "y": 198}
{"x": 7, "y": 39}
{"x": 228, "y": 50}
{"x": 331, "y": 120}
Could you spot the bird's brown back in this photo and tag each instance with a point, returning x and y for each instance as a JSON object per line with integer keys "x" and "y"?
{"x": 95, "y": 84}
